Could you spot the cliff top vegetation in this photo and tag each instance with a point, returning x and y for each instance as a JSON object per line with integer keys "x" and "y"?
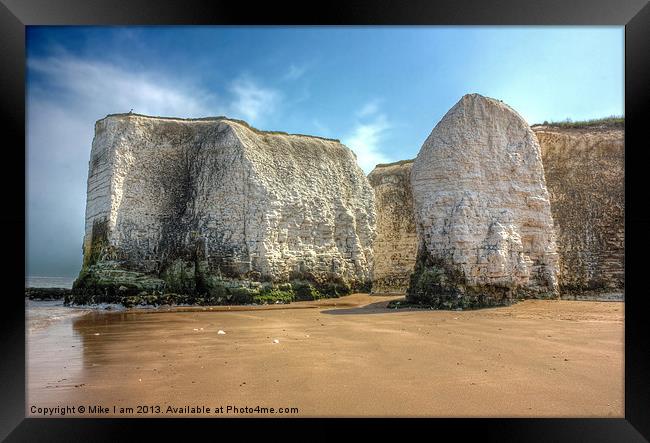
{"x": 220, "y": 118}
{"x": 397, "y": 163}
{"x": 611, "y": 122}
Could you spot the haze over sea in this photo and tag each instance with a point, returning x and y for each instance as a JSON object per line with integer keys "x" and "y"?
{"x": 35, "y": 281}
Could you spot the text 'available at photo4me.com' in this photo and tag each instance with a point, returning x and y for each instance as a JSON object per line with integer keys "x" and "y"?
{"x": 169, "y": 410}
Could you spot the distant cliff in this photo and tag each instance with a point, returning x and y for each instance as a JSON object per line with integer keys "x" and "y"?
{"x": 189, "y": 206}
{"x": 584, "y": 168}
{"x": 396, "y": 243}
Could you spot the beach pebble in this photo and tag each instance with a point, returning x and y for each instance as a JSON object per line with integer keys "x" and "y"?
{"x": 196, "y": 329}
{"x": 276, "y": 341}
{"x": 220, "y": 332}
{"x": 96, "y": 333}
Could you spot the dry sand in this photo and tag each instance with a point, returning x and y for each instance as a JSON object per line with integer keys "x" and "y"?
{"x": 343, "y": 357}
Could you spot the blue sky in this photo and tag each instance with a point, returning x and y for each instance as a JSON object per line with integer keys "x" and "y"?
{"x": 380, "y": 90}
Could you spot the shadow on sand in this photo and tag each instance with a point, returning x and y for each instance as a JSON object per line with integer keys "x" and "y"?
{"x": 379, "y": 307}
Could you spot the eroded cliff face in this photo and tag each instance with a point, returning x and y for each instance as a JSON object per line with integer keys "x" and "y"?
{"x": 175, "y": 205}
{"x": 482, "y": 210}
{"x": 584, "y": 170}
{"x": 396, "y": 243}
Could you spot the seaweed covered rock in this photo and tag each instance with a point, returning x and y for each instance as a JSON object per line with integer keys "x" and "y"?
{"x": 188, "y": 206}
{"x": 46, "y": 293}
{"x": 483, "y": 218}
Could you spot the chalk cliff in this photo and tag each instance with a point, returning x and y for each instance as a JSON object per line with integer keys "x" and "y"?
{"x": 584, "y": 169}
{"x": 214, "y": 207}
{"x": 179, "y": 204}
{"x": 584, "y": 173}
{"x": 396, "y": 243}
{"x": 482, "y": 210}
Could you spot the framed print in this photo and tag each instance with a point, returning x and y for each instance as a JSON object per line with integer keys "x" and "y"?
{"x": 382, "y": 212}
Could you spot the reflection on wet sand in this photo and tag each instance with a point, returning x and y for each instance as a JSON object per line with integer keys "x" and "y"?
{"x": 536, "y": 358}
{"x": 54, "y": 363}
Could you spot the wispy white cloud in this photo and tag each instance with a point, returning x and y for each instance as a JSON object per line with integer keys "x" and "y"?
{"x": 251, "y": 101}
{"x": 106, "y": 88}
{"x": 299, "y": 91}
{"x": 295, "y": 71}
{"x": 370, "y": 108}
{"x": 101, "y": 88}
{"x": 367, "y": 136}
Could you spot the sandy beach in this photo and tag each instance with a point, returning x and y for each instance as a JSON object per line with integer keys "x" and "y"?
{"x": 340, "y": 357}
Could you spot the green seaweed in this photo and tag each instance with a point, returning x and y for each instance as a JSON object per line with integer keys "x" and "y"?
{"x": 305, "y": 291}
{"x": 269, "y": 294}
{"x": 98, "y": 243}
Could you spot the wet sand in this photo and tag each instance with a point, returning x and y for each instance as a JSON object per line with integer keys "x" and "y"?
{"x": 343, "y": 357}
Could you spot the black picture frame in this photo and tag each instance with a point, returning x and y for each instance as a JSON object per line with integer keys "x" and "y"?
{"x": 633, "y": 14}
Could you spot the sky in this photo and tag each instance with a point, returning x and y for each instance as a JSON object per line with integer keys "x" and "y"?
{"x": 380, "y": 90}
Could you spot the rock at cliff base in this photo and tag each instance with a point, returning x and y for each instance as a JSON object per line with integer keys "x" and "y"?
{"x": 483, "y": 218}
{"x": 46, "y": 293}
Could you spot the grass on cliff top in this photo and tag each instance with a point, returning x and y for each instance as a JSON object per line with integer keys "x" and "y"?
{"x": 397, "y": 163}
{"x": 223, "y": 117}
{"x": 613, "y": 121}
